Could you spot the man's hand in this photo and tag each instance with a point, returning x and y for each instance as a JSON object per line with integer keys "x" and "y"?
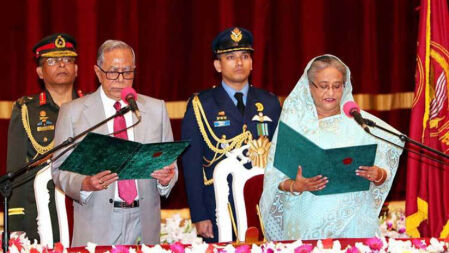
{"x": 165, "y": 174}
{"x": 204, "y": 229}
{"x": 99, "y": 181}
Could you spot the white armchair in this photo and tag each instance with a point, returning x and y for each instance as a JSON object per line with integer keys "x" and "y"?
{"x": 233, "y": 164}
{"x": 43, "y": 213}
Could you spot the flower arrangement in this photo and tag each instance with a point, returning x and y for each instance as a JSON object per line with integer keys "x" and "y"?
{"x": 393, "y": 225}
{"x": 20, "y": 244}
{"x": 175, "y": 229}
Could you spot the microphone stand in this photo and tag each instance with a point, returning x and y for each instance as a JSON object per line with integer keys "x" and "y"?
{"x": 405, "y": 138}
{"x": 6, "y": 180}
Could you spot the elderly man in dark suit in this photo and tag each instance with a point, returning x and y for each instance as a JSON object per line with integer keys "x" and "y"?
{"x": 107, "y": 211}
{"x": 231, "y": 110}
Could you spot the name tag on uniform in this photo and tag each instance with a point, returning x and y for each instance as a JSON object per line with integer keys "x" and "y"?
{"x": 222, "y": 123}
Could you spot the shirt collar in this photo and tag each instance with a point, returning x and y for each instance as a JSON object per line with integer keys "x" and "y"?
{"x": 232, "y": 91}
{"x": 107, "y": 101}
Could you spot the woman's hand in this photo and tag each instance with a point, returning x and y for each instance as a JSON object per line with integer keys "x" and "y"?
{"x": 315, "y": 183}
{"x": 301, "y": 184}
{"x": 374, "y": 174}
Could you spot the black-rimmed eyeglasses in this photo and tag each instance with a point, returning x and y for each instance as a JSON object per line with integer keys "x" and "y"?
{"x": 114, "y": 75}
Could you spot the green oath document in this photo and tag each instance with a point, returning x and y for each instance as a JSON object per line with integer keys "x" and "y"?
{"x": 337, "y": 164}
{"x": 129, "y": 159}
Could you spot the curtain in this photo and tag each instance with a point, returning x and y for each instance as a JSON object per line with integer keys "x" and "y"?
{"x": 375, "y": 38}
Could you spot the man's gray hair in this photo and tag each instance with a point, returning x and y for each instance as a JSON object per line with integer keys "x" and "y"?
{"x": 110, "y": 45}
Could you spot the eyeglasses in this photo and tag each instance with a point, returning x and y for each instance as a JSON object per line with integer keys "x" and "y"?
{"x": 323, "y": 88}
{"x": 114, "y": 75}
{"x": 65, "y": 60}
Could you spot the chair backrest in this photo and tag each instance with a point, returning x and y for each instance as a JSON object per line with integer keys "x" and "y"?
{"x": 252, "y": 191}
{"x": 42, "y": 196}
{"x": 233, "y": 165}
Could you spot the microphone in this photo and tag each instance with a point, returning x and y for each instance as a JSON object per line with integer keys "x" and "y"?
{"x": 352, "y": 110}
{"x": 129, "y": 96}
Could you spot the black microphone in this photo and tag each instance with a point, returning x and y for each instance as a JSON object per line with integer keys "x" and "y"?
{"x": 129, "y": 96}
{"x": 352, "y": 110}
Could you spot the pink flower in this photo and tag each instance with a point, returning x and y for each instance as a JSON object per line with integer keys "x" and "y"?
{"x": 401, "y": 230}
{"x": 34, "y": 250}
{"x": 58, "y": 248}
{"x": 352, "y": 250}
{"x": 389, "y": 225}
{"x": 120, "y": 249}
{"x": 267, "y": 250}
{"x": 210, "y": 249}
{"x": 327, "y": 243}
{"x": 243, "y": 249}
{"x": 305, "y": 248}
{"x": 177, "y": 247}
{"x": 16, "y": 242}
{"x": 374, "y": 243}
{"x": 270, "y": 250}
{"x": 418, "y": 244}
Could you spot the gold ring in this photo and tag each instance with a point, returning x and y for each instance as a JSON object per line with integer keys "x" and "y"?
{"x": 101, "y": 181}
{"x": 105, "y": 187}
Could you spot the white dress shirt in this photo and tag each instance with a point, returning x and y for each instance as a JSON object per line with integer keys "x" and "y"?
{"x": 108, "y": 104}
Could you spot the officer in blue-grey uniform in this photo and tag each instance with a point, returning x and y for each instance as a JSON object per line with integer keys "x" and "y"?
{"x": 218, "y": 119}
{"x": 32, "y": 128}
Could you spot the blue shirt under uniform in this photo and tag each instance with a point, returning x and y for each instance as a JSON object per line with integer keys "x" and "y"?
{"x": 231, "y": 92}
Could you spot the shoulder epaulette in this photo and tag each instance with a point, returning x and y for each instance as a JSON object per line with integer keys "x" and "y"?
{"x": 191, "y": 97}
{"x": 23, "y": 100}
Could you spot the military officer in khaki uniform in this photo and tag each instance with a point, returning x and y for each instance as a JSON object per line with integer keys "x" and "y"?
{"x": 32, "y": 128}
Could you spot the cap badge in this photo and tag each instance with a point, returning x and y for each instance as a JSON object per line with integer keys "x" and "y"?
{"x": 60, "y": 42}
{"x": 236, "y": 35}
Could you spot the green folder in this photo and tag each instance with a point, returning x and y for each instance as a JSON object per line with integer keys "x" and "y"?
{"x": 129, "y": 159}
{"x": 337, "y": 164}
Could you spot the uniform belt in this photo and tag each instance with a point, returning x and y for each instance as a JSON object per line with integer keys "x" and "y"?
{"x": 120, "y": 204}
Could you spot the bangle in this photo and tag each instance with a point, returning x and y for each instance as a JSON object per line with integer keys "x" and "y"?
{"x": 381, "y": 176}
{"x": 291, "y": 189}
{"x": 282, "y": 185}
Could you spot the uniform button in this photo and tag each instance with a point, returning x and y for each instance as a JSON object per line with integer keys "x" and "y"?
{"x": 111, "y": 201}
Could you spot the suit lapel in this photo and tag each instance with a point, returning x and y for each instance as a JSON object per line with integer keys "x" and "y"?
{"x": 94, "y": 112}
{"x": 139, "y": 129}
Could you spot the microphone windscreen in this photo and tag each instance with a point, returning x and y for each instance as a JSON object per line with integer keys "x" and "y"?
{"x": 349, "y": 107}
{"x": 126, "y": 92}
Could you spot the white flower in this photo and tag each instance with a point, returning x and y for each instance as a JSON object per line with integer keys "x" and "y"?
{"x": 197, "y": 247}
{"x": 435, "y": 246}
{"x": 144, "y": 248}
{"x": 13, "y": 249}
{"x": 362, "y": 247}
{"x": 155, "y": 249}
{"x": 91, "y": 247}
{"x": 256, "y": 249}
